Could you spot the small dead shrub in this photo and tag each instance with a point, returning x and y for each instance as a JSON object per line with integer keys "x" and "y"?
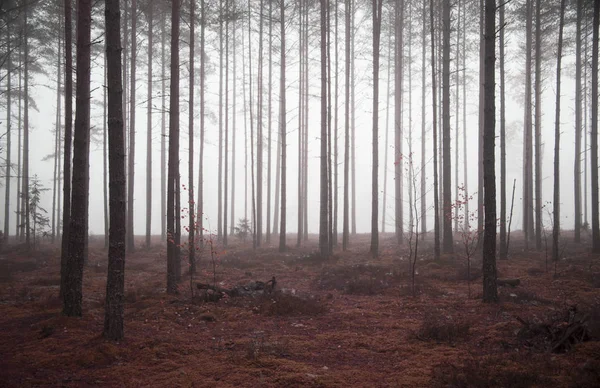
{"x": 282, "y": 304}
{"x": 442, "y": 328}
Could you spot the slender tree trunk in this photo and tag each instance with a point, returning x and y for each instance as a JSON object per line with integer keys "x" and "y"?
{"x": 329, "y": 132}
{"x": 172, "y": 247}
{"x": 556, "y": 197}
{"x": 353, "y": 113}
{"x": 346, "y": 220}
{"x": 131, "y": 155}
{"x": 538, "y": 127}
{"x": 25, "y": 181}
{"x": 436, "y": 222}
{"x": 527, "y": 133}
{"x": 490, "y": 291}
{"x": 226, "y": 145}
{"x": 306, "y": 115}
{"x": 577, "y": 172}
{"x": 149, "y": 130}
{"x": 398, "y": 128}
{"x": 448, "y": 245}
{"x": 67, "y": 155}
{"x": 163, "y": 131}
{"x": 455, "y": 215}
{"x": 269, "y": 122}
{"x": 423, "y": 123}
{"x": 480, "y": 192}
{"x": 115, "y": 284}
{"x": 200, "y": 201}
{"x": 72, "y": 296}
{"x": 220, "y": 167}
{"x": 56, "y": 144}
{"x": 377, "y": 5}
{"x": 8, "y": 143}
{"x": 594, "y": 133}
{"x": 105, "y": 171}
{"x": 301, "y": 119}
{"x": 19, "y": 217}
{"x": 233, "y": 128}
{"x": 503, "y": 247}
{"x": 259, "y": 131}
{"x": 323, "y": 212}
{"x": 190, "y": 189}
{"x": 244, "y": 100}
{"x": 254, "y": 234}
{"x": 282, "y": 125}
{"x": 467, "y": 214}
{"x": 334, "y": 243}
{"x": 387, "y": 132}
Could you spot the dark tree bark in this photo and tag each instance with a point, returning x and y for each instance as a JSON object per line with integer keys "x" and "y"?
{"x": 172, "y": 188}
{"x": 149, "y": 130}
{"x": 163, "y": 131}
{"x": 556, "y": 199}
{"x": 8, "y": 133}
{"x": 577, "y": 168}
{"x": 594, "y": 133}
{"x": 72, "y": 296}
{"x": 254, "y": 234}
{"x": 448, "y": 245}
{"x": 67, "y": 153}
{"x": 480, "y": 173}
{"x": 234, "y": 129}
{"x": 259, "y": 130}
{"x": 105, "y": 151}
{"x": 423, "y": 123}
{"x": 398, "y": 130}
{"x": 55, "y": 178}
{"x": 282, "y": 126}
{"x": 131, "y": 155}
{"x": 191, "y": 204}
{"x": 323, "y": 212}
{"x": 220, "y": 167}
{"x": 538, "y": 127}
{"x": 467, "y": 225}
{"x": 200, "y": 202}
{"x": 25, "y": 179}
{"x": 269, "y": 123}
{"x": 226, "y": 143}
{"x": 115, "y": 284}
{"x": 346, "y": 219}
{"x": 387, "y": 133}
{"x": 377, "y": 6}
{"x": 490, "y": 290}
{"x": 334, "y": 228}
{"x": 528, "y": 134}
{"x": 301, "y": 119}
{"x": 436, "y": 218}
{"x": 353, "y": 113}
{"x": 503, "y": 248}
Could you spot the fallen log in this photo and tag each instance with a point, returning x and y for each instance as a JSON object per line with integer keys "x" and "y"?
{"x": 508, "y": 282}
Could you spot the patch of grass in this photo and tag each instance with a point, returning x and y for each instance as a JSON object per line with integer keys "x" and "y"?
{"x": 436, "y": 326}
{"x": 486, "y": 372}
{"x": 281, "y": 304}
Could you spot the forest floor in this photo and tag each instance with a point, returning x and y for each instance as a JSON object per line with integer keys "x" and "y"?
{"x": 349, "y": 321}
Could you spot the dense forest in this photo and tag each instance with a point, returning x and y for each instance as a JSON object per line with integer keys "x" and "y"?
{"x": 201, "y": 133}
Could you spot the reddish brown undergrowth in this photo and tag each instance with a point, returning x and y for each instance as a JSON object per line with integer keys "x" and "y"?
{"x": 349, "y": 321}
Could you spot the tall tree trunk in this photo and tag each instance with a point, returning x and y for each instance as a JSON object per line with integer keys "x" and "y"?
{"x": 220, "y": 167}
{"x": 72, "y": 296}
{"x": 233, "y": 128}
{"x": 334, "y": 243}
{"x": 259, "y": 131}
{"x": 105, "y": 147}
{"x": 200, "y": 201}
{"x": 423, "y": 123}
{"x": 301, "y": 119}
{"x": 329, "y": 133}
{"x": 436, "y": 203}
{"x": 306, "y": 115}
{"x": 556, "y": 197}
{"x": 594, "y": 133}
{"x": 538, "y": 127}
{"x": 149, "y": 131}
{"x": 467, "y": 214}
{"x": 353, "y": 111}
{"x": 19, "y": 218}
{"x": 346, "y": 219}
{"x": 282, "y": 125}
{"x": 8, "y": 133}
{"x": 67, "y": 155}
{"x": 577, "y": 172}
{"x": 387, "y": 132}
{"x": 490, "y": 290}
{"x": 254, "y": 234}
{"x": 480, "y": 192}
{"x": 163, "y": 130}
{"x": 377, "y": 6}
{"x": 323, "y": 212}
{"x": 172, "y": 213}
{"x": 503, "y": 248}
{"x": 226, "y": 144}
{"x": 25, "y": 181}
{"x": 56, "y": 143}
{"x": 527, "y": 133}
{"x": 191, "y": 205}
{"x": 131, "y": 155}
{"x": 115, "y": 283}
{"x": 447, "y": 172}
{"x": 269, "y": 122}
{"x": 398, "y": 130}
